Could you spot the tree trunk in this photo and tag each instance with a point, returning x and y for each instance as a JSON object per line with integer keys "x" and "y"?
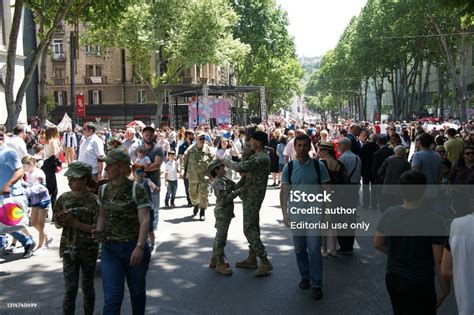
{"x": 441, "y": 82}
{"x": 13, "y": 110}
{"x": 43, "y": 97}
{"x": 159, "y": 106}
{"x": 365, "y": 97}
{"x": 14, "y": 105}
{"x": 463, "y": 94}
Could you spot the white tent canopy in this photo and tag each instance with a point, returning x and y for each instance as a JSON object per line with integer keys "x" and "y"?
{"x": 65, "y": 123}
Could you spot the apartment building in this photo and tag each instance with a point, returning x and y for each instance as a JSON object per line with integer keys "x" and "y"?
{"x": 113, "y": 95}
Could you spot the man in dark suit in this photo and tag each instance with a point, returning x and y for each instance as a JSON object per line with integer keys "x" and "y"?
{"x": 377, "y": 160}
{"x": 367, "y": 151}
{"x": 354, "y": 132}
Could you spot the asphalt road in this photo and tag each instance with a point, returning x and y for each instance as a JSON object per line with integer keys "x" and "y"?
{"x": 179, "y": 280}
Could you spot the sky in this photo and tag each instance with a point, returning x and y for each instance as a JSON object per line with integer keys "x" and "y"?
{"x": 317, "y": 25}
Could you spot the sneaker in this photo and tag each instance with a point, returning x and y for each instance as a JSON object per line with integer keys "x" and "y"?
{"x": 8, "y": 251}
{"x": 344, "y": 252}
{"x": 304, "y": 284}
{"x": 172, "y": 205}
{"x": 317, "y": 293}
{"x": 29, "y": 250}
{"x": 167, "y": 205}
{"x": 48, "y": 242}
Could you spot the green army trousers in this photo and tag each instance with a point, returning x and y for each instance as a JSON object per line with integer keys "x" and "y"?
{"x": 71, "y": 269}
{"x": 251, "y": 208}
{"x": 198, "y": 192}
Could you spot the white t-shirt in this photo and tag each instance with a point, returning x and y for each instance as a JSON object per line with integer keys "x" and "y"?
{"x": 171, "y": 168}
{"x": 461, "y": 242}
{"x": 37, "y": 176}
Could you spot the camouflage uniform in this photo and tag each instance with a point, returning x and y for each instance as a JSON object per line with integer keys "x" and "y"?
{"x": 223, "y": 211}
{"x": 78, "y": 250}
{"x": 257, "y": 169}
{"x": 121, "y": 215}
{"x": 121, "y": 233}
{"x": 196, "y": 162}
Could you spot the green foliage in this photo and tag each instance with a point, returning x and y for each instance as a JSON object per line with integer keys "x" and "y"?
{"x": 182, "y": 32}
{"x": 272, "y": 60}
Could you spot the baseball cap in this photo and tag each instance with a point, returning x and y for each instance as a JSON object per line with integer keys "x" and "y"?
{"x": 117, "y": 155}
{"x": 78, "y": 170}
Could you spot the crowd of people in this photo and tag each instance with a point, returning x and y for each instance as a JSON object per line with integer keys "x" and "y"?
{"x": 115, "y": 179}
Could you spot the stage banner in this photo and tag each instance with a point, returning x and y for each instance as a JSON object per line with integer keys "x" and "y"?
{"x": 217, "y": 108}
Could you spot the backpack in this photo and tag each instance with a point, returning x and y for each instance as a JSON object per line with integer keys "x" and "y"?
{"x": 316, "y": 167}
{"x": 134, "y": 191}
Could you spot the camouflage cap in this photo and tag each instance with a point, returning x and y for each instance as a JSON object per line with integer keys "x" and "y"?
{"x": 78, "y": 170}
{"x": 213, "y": 165}
{"x": 117, "y": 155}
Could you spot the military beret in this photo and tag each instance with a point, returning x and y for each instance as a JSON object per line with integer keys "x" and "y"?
{"x": 260, "y": 136}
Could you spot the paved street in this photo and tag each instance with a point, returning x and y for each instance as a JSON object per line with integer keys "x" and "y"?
{"x": 180, "y": 282}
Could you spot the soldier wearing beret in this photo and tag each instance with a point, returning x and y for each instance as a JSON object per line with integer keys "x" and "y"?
{"x": 76, "y": 212}
{"x": 225, "y": 190}
{"x": 256, "y": 169}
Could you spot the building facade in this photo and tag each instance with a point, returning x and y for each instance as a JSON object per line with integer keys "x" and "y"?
{"x": 6, "y": 16}
{"x": 113, "y": 96}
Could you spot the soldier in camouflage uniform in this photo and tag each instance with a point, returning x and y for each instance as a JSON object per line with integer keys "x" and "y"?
{"x": 123, "y": 224}
{"x": 257, "y": 169}
{"x": 225, "y": 190}
{"x": 76, "y": 211}
{"x": 196, "y": 161}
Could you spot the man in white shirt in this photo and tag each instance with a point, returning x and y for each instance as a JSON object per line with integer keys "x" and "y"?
{"x": 91, "y": 150}
{"x": 69, "y": 145}
{"x": 17, "y": 141}
{"x": 131, "y": 143}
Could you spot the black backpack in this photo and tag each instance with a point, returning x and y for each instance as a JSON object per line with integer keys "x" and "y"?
{"x": 316, "y": 167}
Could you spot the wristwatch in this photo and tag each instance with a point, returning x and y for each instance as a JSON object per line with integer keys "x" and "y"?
{"x": 140, "y": 245}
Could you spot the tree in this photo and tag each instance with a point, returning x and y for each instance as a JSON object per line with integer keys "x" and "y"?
{"x": 48, "y": 16}
{"x": 272, "y": 60}
{"x": 181, "y": 33}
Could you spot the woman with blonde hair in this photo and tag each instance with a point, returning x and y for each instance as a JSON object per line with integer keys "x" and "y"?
{"x": 51, "y": 162}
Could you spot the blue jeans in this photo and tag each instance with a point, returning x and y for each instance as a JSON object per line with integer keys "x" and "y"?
{"x": 309, "y": 259}
{"x": 115, "y": 269}
{"x": 171, "y": 191}
{"x": 154, "y": 215}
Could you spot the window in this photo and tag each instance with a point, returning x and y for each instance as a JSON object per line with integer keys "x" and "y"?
{"x": 88, "y": 49}
{"x": 60, "y": 97}
{"x": 141, "y": 96}
{"x": 58, "y": 46}
{"x": 98, "y": 70}
{"x": 98, "y": 50}
{"x": 59, "y": 72}
{"x": 95, "y": 97}
{"x": 89, "y": 70}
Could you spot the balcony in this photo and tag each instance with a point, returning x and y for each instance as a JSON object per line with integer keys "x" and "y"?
{"x": 95, "y": 80}
{"x": 58, "y": 57}
{"x": 60, "y": 81}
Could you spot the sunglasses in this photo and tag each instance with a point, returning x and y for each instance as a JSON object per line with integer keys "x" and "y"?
{"x": 441, "y": 151}
{"x": 139, "y": 172}
{"x": 202, "y": 138}
{"x": 469, "y": 153}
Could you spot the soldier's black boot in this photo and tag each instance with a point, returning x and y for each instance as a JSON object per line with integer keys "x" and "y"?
{"x": 202, "y": 214}
{"x": 195, "y": 210}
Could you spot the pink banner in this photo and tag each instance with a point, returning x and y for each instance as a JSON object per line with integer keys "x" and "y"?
{"x": 218, "y": 108}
